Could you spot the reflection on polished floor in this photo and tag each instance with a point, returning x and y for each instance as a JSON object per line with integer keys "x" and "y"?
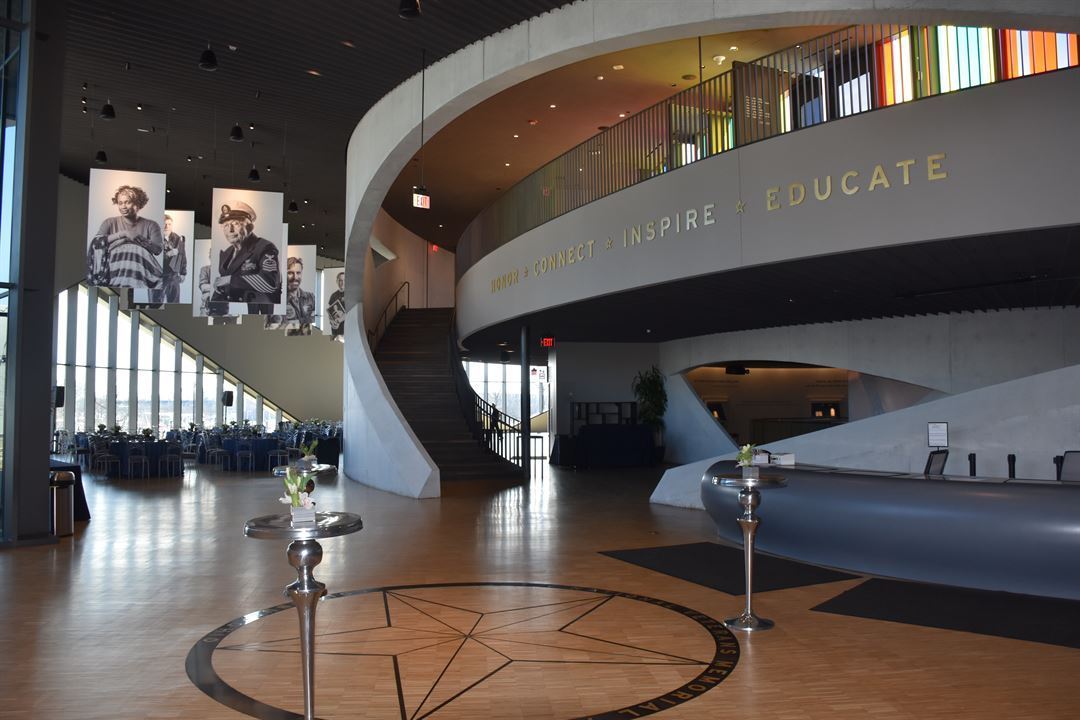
{"x": 491, "y": 602}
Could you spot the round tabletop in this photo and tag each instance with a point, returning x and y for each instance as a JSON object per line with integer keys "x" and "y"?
{"x": 281, "y": 527}
{"x": 738, "y": 481}
{"x": 318, "y": 470}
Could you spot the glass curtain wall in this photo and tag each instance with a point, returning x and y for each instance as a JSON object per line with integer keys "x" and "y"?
{"x": 500, "y": 385}
{"x": 114, "y": 386}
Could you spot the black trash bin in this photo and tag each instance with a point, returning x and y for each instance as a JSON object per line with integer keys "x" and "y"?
{"x": 62, "y": 488}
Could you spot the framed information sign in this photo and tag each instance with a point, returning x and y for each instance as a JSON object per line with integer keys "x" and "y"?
{"x": 937, "y": 434}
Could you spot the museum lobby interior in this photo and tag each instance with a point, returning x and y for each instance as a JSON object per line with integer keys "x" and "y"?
{"x": 846, "y": 232}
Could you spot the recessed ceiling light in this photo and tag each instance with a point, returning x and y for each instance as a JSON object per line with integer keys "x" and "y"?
{"x": 314, "y": 73}
{"x": 251, "y": 126}
{"x": 601, "y": 128}
{"x": 733, "y": 48}
{"x": 138, "y": 106}
{"x": 168, "y": 191}
{"x": 689, "y": 76}
{"x": 515, "y": 135}
{"x": 534, "y": 122}
{"x": 599, "y": 77}
{"x": 622, "y": 114}
{"x": 617, "y": 67}
{"x": 506, "y": 164}
{"x": 719, "y": 59}
{"x": 553, "y": 106}
{"x": 306, "y": 201}
{"x": 440, "y": 224}
{"x": 83, "y": 100}
{"x": 348, "y": 43}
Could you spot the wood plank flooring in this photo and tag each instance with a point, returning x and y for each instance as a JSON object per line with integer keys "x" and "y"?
{"x": 99, "y": 626}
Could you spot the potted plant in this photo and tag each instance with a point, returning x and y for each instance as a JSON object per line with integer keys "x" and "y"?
{"x": 745, "y": 460}
{"x": 651, "y": 395}
{"x": 298, "y": 489}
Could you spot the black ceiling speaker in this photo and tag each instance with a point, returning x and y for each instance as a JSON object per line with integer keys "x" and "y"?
{"x": 293, "y": 208}
{"x": 227, "y": 398}
{"x": 409, "y": 9}
{"x": 107, "y": 111}
{"x": 101, "y": 158}
{"x": 208, "y": 60}
{"x": 236, "y": 134}
{"x": 253, "y": 176}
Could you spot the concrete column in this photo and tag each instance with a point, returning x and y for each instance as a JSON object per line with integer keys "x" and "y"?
{"x": 69, "y": 360}
{"x": 133, "y": 378}
{"x": 178, "y": 387}
{"x": 199, "y": 390}
{"x": 220, "y": 419}
{"x": 238, "y": 401}
{"x": 89, "y": 414}
{"x": 110, "y": 401}
{"x": 526, "y": 410}
{"x": 155, "y": 380}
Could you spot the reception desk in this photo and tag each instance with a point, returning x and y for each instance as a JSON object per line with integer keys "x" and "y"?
{"x": 987, "y": 533}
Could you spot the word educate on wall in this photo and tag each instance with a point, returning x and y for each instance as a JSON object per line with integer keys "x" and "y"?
{"x": 883, "y": 176}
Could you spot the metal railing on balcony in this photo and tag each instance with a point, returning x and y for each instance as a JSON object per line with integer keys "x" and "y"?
{"x": 842, "y": 73}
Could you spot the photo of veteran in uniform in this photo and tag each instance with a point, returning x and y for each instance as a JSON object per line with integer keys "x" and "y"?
{"x": 177, "y": 260}
{"x": 124, "y": 249}
{"x": 203, "y": 306}
{"x": 332, "y": 319}
{"x": 174, "y": 266}
{"x": 247, "y": 267}
{"x": 299, "y": 301}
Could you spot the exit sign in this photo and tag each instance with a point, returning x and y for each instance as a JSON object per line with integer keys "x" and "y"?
{"x": 421, "y": 200}
{"x": 547, "y": 342}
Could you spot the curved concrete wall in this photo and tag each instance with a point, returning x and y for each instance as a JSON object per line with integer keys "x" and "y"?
{"x": 386, "y": 137}
{"x": 947, "y": 166}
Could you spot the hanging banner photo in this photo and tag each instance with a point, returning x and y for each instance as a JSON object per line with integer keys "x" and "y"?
{"x": 247, "y": 249}
{"x": 333, "y": 302}
{"x": 300, "y": 304}
{"x": 124, "y": 245}
{"x": 177, "y": 252}
{"x": 204, "y": 305}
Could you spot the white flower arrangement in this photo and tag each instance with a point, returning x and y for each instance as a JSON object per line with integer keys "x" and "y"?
{"x": 745, "y": 457}
{"x": 298, "y": 489}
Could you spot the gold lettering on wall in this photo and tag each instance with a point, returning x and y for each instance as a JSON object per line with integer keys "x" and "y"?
{"x": 695, "y": 218}
{"x": 844, "y": 182}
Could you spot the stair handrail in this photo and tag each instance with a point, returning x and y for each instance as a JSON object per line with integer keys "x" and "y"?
{"x": 384, "y": 321}
{"x": 486, "y": 422}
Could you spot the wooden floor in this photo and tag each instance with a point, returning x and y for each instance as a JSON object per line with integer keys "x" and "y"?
{"x": 100, "y": 625}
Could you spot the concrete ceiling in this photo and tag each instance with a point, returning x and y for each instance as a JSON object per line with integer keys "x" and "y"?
{"x": 145, "y": 52}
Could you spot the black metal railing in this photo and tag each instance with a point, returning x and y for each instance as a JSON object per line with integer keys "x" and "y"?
{"x": 842, "y": 73}
{"x": 386, "y": 317}
{"x": 498, "y": 432}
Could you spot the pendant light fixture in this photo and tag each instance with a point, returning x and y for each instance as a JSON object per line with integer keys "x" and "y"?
{"x": 108, "y": 112}
{"x": 409, "y": 9}
{"x": 420, "y": 197}
{"x": 237, "y": 133}
{"x": 253, "y": 176}
{"x": 293, "y": 207}
{"x": 101, "y": 158}
{"x": 208, "y": 60}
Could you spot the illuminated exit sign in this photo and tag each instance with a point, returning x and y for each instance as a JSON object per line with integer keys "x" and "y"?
{"x": 547, "y": 342}
{"x": 421, "y": 199}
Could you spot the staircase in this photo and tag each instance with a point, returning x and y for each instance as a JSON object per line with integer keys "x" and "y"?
{"x": 412, "y": 357}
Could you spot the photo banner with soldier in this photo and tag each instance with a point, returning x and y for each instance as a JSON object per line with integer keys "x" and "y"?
{"x": 177, "y": 261}
{"x": 247, "y": 251}
{"x": 203, "y": 304}
{"x": 332, "y": 304}
{"x": 124, "y": 244}
{"x": 300, "y": 304}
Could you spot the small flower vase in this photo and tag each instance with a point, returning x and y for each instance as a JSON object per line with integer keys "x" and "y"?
{"x": 750, "y": 472}
{"x": 302, "y": 514}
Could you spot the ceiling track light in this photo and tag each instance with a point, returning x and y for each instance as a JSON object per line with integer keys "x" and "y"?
{"x": 208, "y": 60}
{"x": 108, "y": 112}
{"x": 236, "y": 134}
{"x": 409, "y": 9}
{"x": 101, "y": 158}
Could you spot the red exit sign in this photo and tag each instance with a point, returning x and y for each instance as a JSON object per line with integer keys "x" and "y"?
{"x": 547, "y": 342}
{"x": 421, "y": 200}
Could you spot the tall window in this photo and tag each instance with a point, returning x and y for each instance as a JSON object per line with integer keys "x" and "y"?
{"x": 114, "y": 399}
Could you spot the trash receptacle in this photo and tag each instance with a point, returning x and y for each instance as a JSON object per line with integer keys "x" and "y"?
{"x": 62, "y": 487}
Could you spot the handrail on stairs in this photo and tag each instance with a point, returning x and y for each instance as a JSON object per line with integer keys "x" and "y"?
{"x": 488, "y": 426}
{"x": 375, "y": 336}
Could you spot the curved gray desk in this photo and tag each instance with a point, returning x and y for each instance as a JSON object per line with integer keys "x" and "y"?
{"x": 986, "y": 533}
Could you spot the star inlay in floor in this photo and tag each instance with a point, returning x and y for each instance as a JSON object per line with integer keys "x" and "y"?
{"x": 499, "y": 650}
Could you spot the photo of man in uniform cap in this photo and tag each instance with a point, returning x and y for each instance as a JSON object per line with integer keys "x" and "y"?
{"x": 249, "y": 269}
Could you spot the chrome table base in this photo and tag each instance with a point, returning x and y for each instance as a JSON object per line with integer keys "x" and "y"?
{"x": 304, "y": 554}
{"x": 749, "y": 499}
